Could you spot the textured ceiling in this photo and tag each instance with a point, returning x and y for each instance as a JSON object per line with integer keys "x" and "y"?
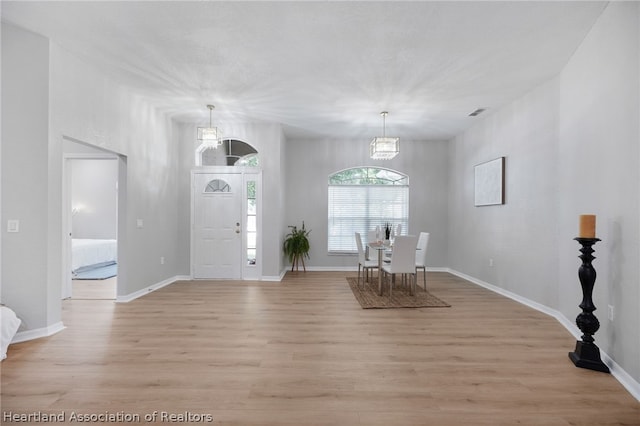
{"x": 322, "y": 69}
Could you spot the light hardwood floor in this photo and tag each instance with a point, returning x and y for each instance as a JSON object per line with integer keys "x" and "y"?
{"x": 94, "y": 289}
{"x": 303, "y": 352}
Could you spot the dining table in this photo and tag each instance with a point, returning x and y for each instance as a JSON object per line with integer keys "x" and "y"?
{"x": 381, "y": 247}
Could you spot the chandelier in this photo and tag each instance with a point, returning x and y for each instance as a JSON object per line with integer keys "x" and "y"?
{"x": 384, "y": 148}
{"x": 210, "y": 136}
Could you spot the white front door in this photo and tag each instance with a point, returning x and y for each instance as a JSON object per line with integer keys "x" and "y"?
{"x": 217, "y": 229}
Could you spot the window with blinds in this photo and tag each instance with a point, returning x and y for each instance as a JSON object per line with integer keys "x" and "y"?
{"x": 361, "y": 199}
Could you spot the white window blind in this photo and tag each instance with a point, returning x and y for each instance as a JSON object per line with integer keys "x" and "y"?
{"x": 360, "y": 208}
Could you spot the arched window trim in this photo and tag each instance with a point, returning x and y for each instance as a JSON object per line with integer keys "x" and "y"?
{"x": 248, "y": 158}
{"x": 227, "y": 146}
{"x": 371, "y": 178}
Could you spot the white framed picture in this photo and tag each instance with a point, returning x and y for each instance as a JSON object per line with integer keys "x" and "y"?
{"x": 489, "y": 182}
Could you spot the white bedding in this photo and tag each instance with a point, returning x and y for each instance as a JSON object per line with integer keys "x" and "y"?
{"x": 86, "y": 252}
{"x": 9, "y": 324}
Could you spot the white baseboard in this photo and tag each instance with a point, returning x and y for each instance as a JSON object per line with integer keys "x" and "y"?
{"x": 530, "y": 303}
{"x": 629, "y": 383}
{"x": 36, "y": 333}
{"x": 132, "y": 296}
{"x": 274, "y": 277}
{"x": 437, "y": 269}
{"x": 622, "y": 376}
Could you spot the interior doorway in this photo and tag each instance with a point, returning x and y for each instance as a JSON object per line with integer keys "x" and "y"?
{"x": 92, "y": 204}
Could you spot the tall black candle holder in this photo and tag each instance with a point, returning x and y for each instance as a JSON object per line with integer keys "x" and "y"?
{"x": 587, "y": 354}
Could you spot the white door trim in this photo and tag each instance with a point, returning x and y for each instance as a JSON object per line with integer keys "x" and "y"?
{"x": 66, "y": 287}
{"x": 253, "y": 272}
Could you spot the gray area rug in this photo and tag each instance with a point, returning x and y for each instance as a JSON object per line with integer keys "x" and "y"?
{"x": 96, "y": 272}
{"x": 368, "y": 298}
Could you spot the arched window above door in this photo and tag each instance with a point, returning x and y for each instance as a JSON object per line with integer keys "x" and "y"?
{"x": 217, "y": 185}
{"x": 232, "y": 152}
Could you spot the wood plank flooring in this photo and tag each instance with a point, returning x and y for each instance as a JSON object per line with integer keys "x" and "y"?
{"x": 94, "y": 289}
{"x": 303, "y": 352}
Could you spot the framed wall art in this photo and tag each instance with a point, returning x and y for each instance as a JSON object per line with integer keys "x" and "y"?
{"x": 489, "y": 182}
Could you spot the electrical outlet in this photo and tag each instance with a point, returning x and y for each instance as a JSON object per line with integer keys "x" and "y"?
{"x": 162, "y": 260}
{"x": 610, "y": 312}
{"x": 490, "y": 261}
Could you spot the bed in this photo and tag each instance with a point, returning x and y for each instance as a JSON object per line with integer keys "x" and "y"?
{"x": 9, "y": 324}
{"x": 92, "y": 252}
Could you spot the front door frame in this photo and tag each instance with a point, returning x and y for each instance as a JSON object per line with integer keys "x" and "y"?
{"x": 248, "y": 272}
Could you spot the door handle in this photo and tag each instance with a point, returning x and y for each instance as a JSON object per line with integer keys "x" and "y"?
{"x": 237, "y": 227}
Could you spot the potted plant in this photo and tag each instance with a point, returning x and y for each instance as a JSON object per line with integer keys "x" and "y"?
{"x": 296, "y": 246}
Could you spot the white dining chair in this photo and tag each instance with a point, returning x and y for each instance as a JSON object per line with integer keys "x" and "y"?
{"x": 403, "y": 261}
{"x": 371, "y": 238}
{"x": 421, "y": 255}
{"x": 363, "y": 262}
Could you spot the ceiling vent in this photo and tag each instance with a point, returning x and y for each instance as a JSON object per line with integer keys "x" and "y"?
{"x": 477, "y": 112}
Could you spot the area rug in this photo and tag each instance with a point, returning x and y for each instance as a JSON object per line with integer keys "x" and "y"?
{"x": 101, "y": 272}
{"x": 368, "y": 298}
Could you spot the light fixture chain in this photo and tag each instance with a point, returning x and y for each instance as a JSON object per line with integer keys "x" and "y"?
{"x": 384, "y": 123}
{"x": 211, "y": 107}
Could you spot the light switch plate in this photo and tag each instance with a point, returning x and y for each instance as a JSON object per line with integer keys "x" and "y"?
{"x": 13, "y": 225}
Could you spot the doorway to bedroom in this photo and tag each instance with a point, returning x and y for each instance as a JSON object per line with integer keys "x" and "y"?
{"x": 92, "y": 203}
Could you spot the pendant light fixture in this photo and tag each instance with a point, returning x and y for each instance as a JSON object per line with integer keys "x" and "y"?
{"x": 210, "y": 136}
{"x": 384, "y": 148}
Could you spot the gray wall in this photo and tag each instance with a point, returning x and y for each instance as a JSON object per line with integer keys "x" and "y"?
{"x": 268, "y": 140}
{"x": 48, "y": 96}
{"x": 571, "y": 148}
{"x": 25, "y": 179}
{"x": 89, "y": 107}
{"x": 309, "y": 164}
{"x": 526, "y": 134}
{"x": 599, "y": 140}
{"x": 94, "y": 198}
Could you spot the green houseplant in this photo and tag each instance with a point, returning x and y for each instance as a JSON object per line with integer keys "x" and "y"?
{"x": 296, "y": 246}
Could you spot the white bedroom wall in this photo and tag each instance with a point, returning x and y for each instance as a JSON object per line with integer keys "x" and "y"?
{"x": 571, "y": 147}
{"x": 94, "y": 198}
